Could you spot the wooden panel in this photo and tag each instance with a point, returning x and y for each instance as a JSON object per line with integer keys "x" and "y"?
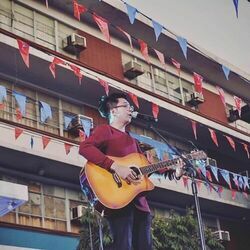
{"x": 102, "y": 56}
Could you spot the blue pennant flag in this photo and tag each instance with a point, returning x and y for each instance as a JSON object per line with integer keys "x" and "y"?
{"x": 202, "y": 167}
{"x": 21, "y": 101}
{"x": 67, "y": 120}
{"x": 3, "y": 94}
{"x": 225, "y": 175}
{"x": 235, "y": 179}
{"x": 157, "y": 28}
{"x": 45, "y": 111}
{"x": 215, "y": 172}
{"x": 226, "y": 71}
{"x": 131, "y": 13}
{"x": 236, "y": 3}
{"x": 240, "y": 181}
{"x": 31, "y": 142}
{"x": 246, "y": 184}
{"x": 183, "y": 44}
{"x": 87, "y": 125}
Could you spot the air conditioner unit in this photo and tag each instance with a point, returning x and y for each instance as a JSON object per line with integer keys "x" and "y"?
{"x": 222, "y": 235}
{"x": 76, "y": 124}
{"x": 76, "y": 212}
{"x": 74, "y": 43}
{"x": 194, "y": 99}
{"x": 132, "y": 69}
{"x": 245, "y": 113}
{"x": 233, "y": 115}
{"x": 211, "y": 162}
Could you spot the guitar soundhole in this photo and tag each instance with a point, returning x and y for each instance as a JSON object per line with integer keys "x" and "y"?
{"x": 136, "y": 170}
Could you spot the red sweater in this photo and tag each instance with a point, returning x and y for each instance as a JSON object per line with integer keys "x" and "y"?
{"x": 106, "y": 140}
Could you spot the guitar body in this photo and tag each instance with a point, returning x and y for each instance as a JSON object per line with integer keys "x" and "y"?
{"x": 105, "y": 187}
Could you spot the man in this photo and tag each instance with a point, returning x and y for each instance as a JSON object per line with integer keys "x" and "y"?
{"x": 131, "y": 225}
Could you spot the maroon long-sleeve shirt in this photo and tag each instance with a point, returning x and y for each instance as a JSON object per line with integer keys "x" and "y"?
{"x": 106, "y": 140}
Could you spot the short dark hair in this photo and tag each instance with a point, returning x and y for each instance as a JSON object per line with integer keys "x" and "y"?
{"x": 106, "y": 103}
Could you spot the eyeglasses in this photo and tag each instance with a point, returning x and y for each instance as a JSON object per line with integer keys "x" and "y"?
{"x": 126, "y": 106}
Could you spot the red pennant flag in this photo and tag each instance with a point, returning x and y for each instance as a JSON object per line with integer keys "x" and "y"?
{"x": 105, "y": 85}
{"x": 18, "y": 132}
{"x": 222, "y": 95}
{"x": 78, "y": 9}
{"x": 198, "y": 82}
{"x": 144, "y": 49}
{"x": 233, "y": 194}
{"x": 194, "y": 126}
{"x": 82, "y": 135}
{"x": 134, "y": 99}
{"x": 19, "y": 115}
{"x": 103, "y": 26}
{"x": 160, "y": 57}
{"x": 155, "y": 110}
{"x": 128, "y": 36}
{"x": 238, "y": 103}
{"x": 213, "y": 136}
{"x": 199, "y": 182}
{"x": 53, "y": 64}
{"x": 46, "y": 141}
{"x": 177, "y": 65}
{"x": 220, "y": 189}
{"x": 77, "y": 72}
{"x": 246, "y": 149}
{"x": 185, "y": 181}
{"x": 231, "y": 142}
{"x": 24, "y": 51}
{"x": 208, "y": 175}
{"x": 1, "y": 106}
{"x": 67, "y": 147}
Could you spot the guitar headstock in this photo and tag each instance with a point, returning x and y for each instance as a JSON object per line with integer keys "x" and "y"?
{"x": 197, "y": 155}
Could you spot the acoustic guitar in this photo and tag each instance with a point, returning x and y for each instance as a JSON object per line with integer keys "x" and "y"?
{"x": 98, "y": 184}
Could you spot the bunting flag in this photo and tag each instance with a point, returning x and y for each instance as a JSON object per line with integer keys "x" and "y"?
{"x": 194, "y": 127}
{"x": 45, "y": 140}
{"x": 103, "y": 26}
{"x": 31, "y": 142}
{"x": 52, "y": 66}
{"x": 213, "y": 136}
{"x": 19, "y": 115}
{"x": 45, "y": 111}
{"x": 222, "y": 95}
{"x": 67, "y": 147}
{"x": 235, "y": 179}
{"x": 233, "y": 192}
{"x": 231, "y": 142}
{"x": 144, "y": 49}
{"x": 160, "y": 57}
{"x": 177, "y": 65}
{"x": 157, "y": 29}
{"x": 246, "y": 184}
{"x": 86, "y": 124}
{"x": 131, "y": 13}
{"x": 226, "y": 71}
{"x": 202, "y": 169}
{"x": 82, "y": 135}
{"x": 240, "y": 181}
{"x": 105, "y": 85}
{"x": 225, "y": 175}
{"x": 24, "y": 51}
{"x": 128, "y": 36}
{"x": 220, "y": 190}
{"x": 199, "y": 182}
{"x": 21, "y": 102}
{"x": 185, "y": 181}
{"x": 215, "y": 172}
{"x": 78, "y": 9}
{"x": 238, "y": 103}
{"x": 18, "y": 132}
{"x": 197, "y": 82}
{"x": 155, "y": 110}
{"x": 134, "y": 99}
{"x": 246, "y": 149}
{"x": 183, "y": 44}
{"x": 3, "y": 94}
{"x": 77, "y": 72}
{"x": 208, "y": 175}
{"x": 236, "y": 2}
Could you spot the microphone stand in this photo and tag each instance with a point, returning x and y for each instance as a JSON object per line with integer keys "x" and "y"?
{"x": 191, "y": 170}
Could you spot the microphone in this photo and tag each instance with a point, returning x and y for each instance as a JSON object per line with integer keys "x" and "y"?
{"x": 144, "y": 117}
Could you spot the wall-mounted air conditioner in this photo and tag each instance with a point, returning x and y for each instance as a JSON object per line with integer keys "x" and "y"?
{"x": 132, "y": 69}
{"x": 222, "y": 235}
{"x": 194, "y": 98}
{"x": 76, "y": 212}
{"x": 76, "y": 124}
{"x": 74, "y": 43}
{"x": 233, "y": 115}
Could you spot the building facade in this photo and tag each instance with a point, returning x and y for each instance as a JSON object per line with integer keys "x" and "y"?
{"x": 54, "y": 68}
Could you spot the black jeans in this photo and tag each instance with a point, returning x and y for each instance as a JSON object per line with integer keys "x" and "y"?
{"x": 130, "y": 229}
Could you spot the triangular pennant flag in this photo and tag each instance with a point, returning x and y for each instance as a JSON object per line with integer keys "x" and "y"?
{"x": 155, "y": 110}
{"x": 236, "y": 3}
{"x": 222, "y": 95}
{"x": 45, "y": 140}
{"x": 215, "y": 172}
{"x": 160, "y": 57}
{"x": 144, "y": 49}
{"x": 220, "y": 189}
{"x": 134, "y": 99}
{"x": 233, "y": 192}
{"x": 202, "y": 168}
{"x": 226, "y": 71}
{"x": 18, "y": 132}
{"x": 213, "y": 136}
{"x": 246, "y": 149}
{"x": 103, "y": 26}
{"x": 45, "y": 111}
{"x": 246, "y": 184}
{"x": 131, "y": 13}
{"x": 82, "y": 135}
{"x": 194, "y": 126}
{"x": 231, "y": 142}
{"x": 24, "y": 51}
{"x": 78, "y": 9}
{"x": 3, "y": 94}
{"x": 105, "y": 85}
{"x": 86, "y": 124}
{"x": 67, "y": 147}
{"x": 235, "y": 179}
{"x": 31, "y": 142}
{"x": 183, "y": 44}
{"x": 177, "y": 65}
{"x": 199, "y": 182}
{"x": 208, "y": 175}
{"x": 77, "y": 72}
{"x": 225, "y": 175}
{"x": 185, "y": 181}
{"x": 157, "y": 28}
{"x": 128, "y": 36}
{"x": 240, "y": 181}
{"x": 53, "y": 64}
{"x": 21, "y": 102}
{"x": 238, "y": 103}
{"x": 19, "y": 115}
{"x": 197, "y": 82}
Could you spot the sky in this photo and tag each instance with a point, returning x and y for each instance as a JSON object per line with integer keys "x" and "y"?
{"x": 210, "y": 24}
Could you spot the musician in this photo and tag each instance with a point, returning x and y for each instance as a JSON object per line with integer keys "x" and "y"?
{"x": 129, "y": 226}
